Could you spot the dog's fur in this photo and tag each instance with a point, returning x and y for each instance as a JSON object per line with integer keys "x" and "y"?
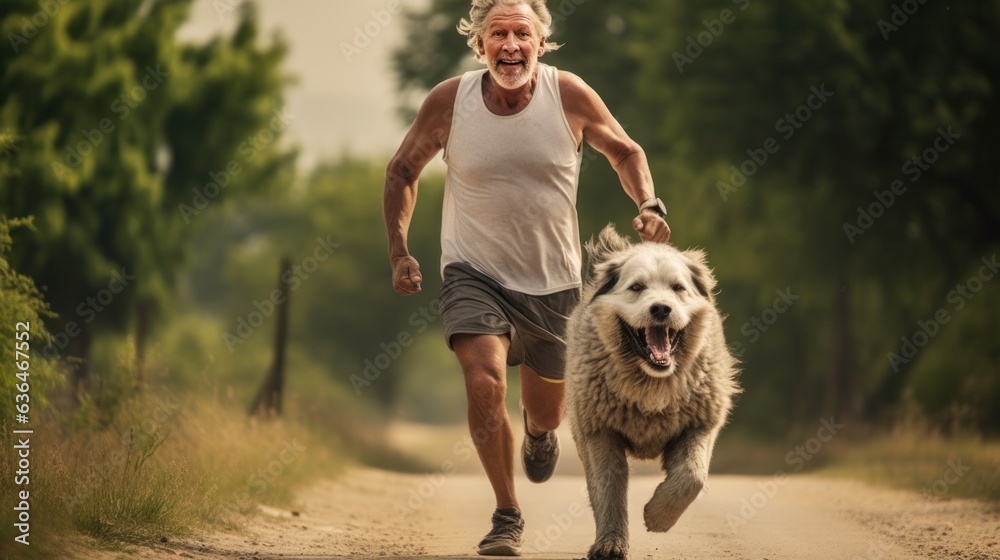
{"x": 670, "y": 404}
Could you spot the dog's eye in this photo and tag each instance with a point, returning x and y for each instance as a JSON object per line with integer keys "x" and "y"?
{"x": 679, "y": 288}
{"x": 637, "y": 287}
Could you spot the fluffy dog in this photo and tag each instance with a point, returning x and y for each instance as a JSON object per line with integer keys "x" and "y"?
{"x": 648, "y": 374}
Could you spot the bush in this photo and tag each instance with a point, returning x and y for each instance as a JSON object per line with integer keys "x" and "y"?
{"x": 21, "y": 303}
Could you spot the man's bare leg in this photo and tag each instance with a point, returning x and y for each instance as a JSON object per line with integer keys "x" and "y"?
{"x": 484, "y": 364}
{"x": 544, "y": 400}
{"x": 544, "y": 403}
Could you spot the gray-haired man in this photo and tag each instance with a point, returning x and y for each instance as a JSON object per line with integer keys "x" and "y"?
{"x": 511, "y": 135}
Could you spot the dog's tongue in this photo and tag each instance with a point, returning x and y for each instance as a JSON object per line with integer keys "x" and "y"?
{"x": 659, "y": 344}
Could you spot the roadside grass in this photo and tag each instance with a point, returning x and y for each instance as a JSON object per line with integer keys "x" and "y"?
{"x": 917, "y": 458}
{"x": 746, "y": 455}
{"x": 910, "y": 456}
{"x": 162, "y": 465}
{"x": 170, "y": 449}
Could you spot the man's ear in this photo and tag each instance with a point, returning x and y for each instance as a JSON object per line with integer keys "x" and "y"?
{"x": 479, "y": 46}
{"x": 541, "y": 48}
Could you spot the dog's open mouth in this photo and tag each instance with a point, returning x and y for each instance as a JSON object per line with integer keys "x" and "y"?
{"x": 656, "y": 344}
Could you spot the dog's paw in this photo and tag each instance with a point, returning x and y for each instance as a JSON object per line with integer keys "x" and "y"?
{"x": 611, "y": 549}
{"x": 670, "y": 499}
{"x": 658, "y": 519}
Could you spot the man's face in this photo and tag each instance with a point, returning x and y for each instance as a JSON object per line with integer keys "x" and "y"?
{"x": 512, "y": 44}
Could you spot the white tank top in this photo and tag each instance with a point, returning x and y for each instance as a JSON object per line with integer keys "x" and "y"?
{"x": 510, "y": 190}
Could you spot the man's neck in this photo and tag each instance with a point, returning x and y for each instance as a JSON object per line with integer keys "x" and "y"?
{"x": 505, "y": 102}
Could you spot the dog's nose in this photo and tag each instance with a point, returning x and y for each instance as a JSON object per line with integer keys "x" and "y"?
{"x": 659, "y": 311}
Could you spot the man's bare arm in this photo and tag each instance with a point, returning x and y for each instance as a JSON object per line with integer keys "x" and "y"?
{"x": 592, "y": 121}
{"x": 427, "y": 136}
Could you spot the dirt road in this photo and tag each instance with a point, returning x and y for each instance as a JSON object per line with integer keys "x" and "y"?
{"x": 374, "y": 514}
{"x": 369, "y": 513}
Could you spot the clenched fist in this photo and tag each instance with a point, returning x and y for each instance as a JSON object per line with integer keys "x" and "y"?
{"x": 651, "y": 226}
{"x": 406, "y": 275}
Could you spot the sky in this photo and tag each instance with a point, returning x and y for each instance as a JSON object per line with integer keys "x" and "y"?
{"x": 341, "y": 101}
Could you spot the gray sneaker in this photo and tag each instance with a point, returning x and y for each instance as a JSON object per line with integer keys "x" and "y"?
{"x": 505, "y": 538}
{"x": 539, "y": 455}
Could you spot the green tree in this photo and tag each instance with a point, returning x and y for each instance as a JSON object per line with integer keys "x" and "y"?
{"x": 22, "y": 312}
{"x": 128, "y": 136}
{"x": 892, "y": 95}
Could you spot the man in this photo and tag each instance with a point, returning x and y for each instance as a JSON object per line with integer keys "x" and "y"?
{"x": 511, "y": 135}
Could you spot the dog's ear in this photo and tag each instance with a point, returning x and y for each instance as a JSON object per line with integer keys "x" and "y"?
{"x": 607, "y": 243}
{"x": 611, "y": 274}
{"x": 702, "y": 277}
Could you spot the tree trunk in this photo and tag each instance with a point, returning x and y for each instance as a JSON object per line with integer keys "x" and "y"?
{"x": 141, "y": 334}
{"x": 803, "y": 398}
{"x": 890, "y": 390}
{"x": 79, "y": 360}
{"x": 268, "y": 400}
{"x": 844, "y": 363}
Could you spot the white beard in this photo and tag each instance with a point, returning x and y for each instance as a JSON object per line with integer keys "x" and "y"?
{"x": 512, "y": 77}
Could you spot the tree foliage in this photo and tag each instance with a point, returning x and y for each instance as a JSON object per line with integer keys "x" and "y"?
{"x": 127, "y": 136}
{"x": 22, "y": 314}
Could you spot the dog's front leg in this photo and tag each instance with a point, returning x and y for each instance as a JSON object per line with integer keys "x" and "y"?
{"x": 686, "y": 461}
{"x": 606, "y": 467}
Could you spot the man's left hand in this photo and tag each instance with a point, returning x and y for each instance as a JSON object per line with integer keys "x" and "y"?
{"x": 651, "y": 226}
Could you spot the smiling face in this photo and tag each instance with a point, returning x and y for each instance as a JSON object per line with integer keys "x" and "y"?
{"x": 511, "y": 43}
{"x": 654, "y": 306}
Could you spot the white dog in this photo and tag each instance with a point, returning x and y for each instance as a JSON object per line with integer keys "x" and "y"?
{"x": 648, "y": 374}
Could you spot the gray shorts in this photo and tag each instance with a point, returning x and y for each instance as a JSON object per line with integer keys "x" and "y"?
{"x": 473, "y": 303}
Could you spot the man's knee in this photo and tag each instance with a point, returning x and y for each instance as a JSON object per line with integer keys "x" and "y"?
{"x": 486, "y": 388}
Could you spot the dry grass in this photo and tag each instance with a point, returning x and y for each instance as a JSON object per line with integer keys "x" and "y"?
{"x": 162, "y": 468}
{"x": 911, "y": 456}
{"x": 172, "y": 450}
{"x": 958, "y": 466}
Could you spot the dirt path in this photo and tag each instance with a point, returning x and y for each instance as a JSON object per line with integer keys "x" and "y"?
{"x": 376, "y": 514}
